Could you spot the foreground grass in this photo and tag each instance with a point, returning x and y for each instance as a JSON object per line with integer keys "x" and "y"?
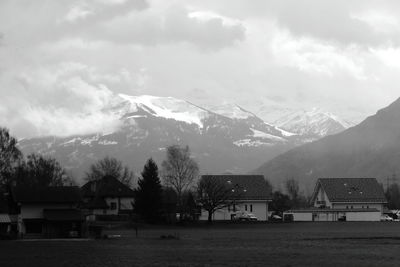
{"x": 295, "y": 244}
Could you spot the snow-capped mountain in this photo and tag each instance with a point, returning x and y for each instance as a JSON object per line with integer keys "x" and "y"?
{"x": 314, "y": 123}
{"x": 232, "y": 111}
{"x": 221, "y": 140}
{"x": 310, "y": 124}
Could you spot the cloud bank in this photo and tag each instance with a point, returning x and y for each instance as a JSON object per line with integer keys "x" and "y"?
{"x": 62, "y": 61}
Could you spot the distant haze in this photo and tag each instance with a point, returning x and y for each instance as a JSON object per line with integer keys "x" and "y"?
{"x": 61, "y": 62}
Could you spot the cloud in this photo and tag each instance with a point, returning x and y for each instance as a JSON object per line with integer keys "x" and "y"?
{"x": 77, "y": 13}
{"x": 316, "y": 57}
{"x": 173, "y": 25}
{"x": 62, "y": 60}
{"x": 64, "y": 99}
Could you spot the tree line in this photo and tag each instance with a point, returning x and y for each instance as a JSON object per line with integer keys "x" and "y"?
{"x": 159, "y": 195}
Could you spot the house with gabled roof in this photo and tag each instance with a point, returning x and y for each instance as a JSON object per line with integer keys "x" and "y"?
{"x": 107, "y": 196}
{"x": 48, "y": 211}
{"x": 250, "y": 194}
{"x": 350, "y": 199}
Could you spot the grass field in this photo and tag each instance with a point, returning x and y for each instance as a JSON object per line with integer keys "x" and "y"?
{"x": 293, "y": 244}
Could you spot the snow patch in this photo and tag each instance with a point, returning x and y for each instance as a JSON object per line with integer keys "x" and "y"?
{"x": 232, "y": 111}
{"x": 169, "y": 108}
{"x": 251, "y": 143}
{"x": 263, "y": 135}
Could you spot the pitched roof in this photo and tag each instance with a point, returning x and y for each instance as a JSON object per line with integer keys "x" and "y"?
{"x": 251, "y": 187}
{"x": 351, "y": 190}
{"x": 56, "y": 194}
{"x": 106, "y": 187}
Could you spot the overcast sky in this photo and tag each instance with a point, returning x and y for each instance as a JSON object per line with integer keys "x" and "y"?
{"x": 60, "y": 61}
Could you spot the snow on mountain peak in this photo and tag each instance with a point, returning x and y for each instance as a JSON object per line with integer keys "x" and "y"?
{"x": 168, "y": 107}
{"x": 232, "y": 111}
{"x": 313, "y": 121}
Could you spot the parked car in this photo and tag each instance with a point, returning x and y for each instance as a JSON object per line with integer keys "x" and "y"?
{"x": 244, "y": 216}
{"x": 386, "y": 218}
{"x": 276, "y": 218}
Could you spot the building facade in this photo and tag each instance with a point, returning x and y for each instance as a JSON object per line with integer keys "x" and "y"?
{"x": 343, "y": 199}
{"x": 49, "y": 212}
{"x": 251, "y": 196}
{"x": 107, "y": 196}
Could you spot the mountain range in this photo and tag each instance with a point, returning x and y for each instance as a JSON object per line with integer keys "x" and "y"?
{"x": 227, "y": 138}
{"x": 370, "y": 149}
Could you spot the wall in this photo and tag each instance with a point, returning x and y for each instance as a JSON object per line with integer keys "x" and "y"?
{"x": 322, "y": 196}
{"x": 358, "y": 206}
{"x": 302, "y": 217}
{"x": 334, "y": 216}
{"x": 35, "y": 211}
{"x": 363, "y": 216}
{"x": 125, "y": 204}
{"x": 260, "y": 210}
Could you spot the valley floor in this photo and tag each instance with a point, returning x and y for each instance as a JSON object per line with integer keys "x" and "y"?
{"x": 273, "y": 244}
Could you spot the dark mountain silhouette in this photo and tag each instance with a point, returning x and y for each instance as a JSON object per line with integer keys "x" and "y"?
{"x": 370, "y": 149}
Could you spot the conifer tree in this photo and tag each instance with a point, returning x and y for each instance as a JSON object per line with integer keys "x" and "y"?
{"x": 148, "y": 195}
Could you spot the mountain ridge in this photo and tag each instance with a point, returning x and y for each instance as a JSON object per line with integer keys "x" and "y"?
{"x": 148, "y": 124}
{"x": 369, "y": 149}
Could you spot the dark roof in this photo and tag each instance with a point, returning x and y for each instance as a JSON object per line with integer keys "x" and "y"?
{"x": 62, "y": 215}
{"x": 56, "y": 194}
{"x": 251, "y": 187}
{"x": 106, "y": 187}
{"x": 366, "y": 190}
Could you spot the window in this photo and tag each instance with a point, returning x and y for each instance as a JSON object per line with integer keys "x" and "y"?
{"x": 113, "y": 205}
{"x": 251, "y": 208}
{"x": 347, "y": 207}
{"x": 245, "y": 207}
{"x": 229, "y": 207}
{"x": 352, "y": 207}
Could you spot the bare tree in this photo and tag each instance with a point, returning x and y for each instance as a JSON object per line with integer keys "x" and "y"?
{"x": 297, "y": 198}
{"x": 292, "y": 188}
{"x": 110, "y": 167}
{"x": 10, "y": 156}
{"x": 41, "y": 171}
{"x": 213, "y": 194}
{"x": 179, "y": 170}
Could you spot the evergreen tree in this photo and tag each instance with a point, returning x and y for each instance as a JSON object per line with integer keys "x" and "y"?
{"x": 148, "y": 195}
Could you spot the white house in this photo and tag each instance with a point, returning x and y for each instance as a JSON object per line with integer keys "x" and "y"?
{"x": 251, "y": 195}
{"x": 349, "y": 199}
{"x": 107, "y": 196}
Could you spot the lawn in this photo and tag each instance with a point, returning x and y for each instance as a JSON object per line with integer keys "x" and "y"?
{"x": 292, "y": 244}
